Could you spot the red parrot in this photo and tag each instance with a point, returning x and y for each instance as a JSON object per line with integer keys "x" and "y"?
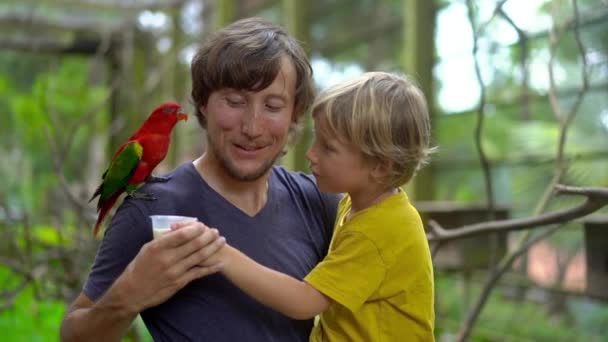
{"x": 133, "y": 162}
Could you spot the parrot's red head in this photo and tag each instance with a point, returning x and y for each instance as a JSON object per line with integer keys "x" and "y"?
{"x": 163, "y": 119}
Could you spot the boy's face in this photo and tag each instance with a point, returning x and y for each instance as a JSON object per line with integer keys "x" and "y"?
{"x": 247, "y": 131}
{"x": 337, "y": 166}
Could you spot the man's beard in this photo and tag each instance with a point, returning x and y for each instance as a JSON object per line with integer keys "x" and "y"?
{"x": 234, "y": 171}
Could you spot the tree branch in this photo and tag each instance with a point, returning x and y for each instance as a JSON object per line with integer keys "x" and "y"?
{"x": 597, "y": 198}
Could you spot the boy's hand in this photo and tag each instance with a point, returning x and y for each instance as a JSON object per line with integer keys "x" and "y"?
{"x": 213, "y": 254}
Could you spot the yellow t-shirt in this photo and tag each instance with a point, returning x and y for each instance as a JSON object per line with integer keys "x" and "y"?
{"x": 379, "y": 274}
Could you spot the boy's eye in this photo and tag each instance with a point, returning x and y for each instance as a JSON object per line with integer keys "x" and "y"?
{"x": 327, "y": 147}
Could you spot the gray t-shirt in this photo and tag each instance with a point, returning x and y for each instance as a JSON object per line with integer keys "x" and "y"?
{"x": 290, "y": 234}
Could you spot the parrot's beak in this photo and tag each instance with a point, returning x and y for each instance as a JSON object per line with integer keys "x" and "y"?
{"x": 182, "y": 116}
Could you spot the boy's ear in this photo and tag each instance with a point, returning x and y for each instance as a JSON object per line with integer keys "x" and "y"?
{"x": 381, "y": 168}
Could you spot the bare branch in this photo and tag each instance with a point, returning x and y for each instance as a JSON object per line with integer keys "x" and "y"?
{"x": 523, "y": 61}
{"x": 492, "y": 280}
{"x": 584, "y": 69}
{"x": 64, "y": 151}
{"x": 57, "y": 166}
{"x": 14, "y": 266}
{"x": 592, "y": 16}
{"x": 65, "y": 23}
{"x": 596, "y": 198}
{"x": 78, "y": 46}
{"x": 130, "y": 5}
{"x": 59, "y": 153}
{"x": 79, "y": 41}
{"x": 497, "y": 10}
{"x": 331, "y": 46}
{"x": 555, "y": 35}
{"x": 485, "y": 164}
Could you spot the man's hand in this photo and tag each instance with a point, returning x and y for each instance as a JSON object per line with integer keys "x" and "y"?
{"x": 166, "y": 264}
{"x": 161, "y": 268}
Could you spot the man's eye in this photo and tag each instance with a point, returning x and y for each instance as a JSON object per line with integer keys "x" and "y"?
{"x": 274, "y": 108}
{"x": 235, "y": 102}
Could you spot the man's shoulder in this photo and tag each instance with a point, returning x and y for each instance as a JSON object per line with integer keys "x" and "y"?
{"x": 293, "y": 176}
{"x": 179, "y": 177}
{"x": 294, "y": 182}
{"x": 303, "y": 188}
{"x": 180, "y": 182}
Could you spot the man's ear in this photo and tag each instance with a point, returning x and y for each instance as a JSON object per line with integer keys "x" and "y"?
{"x": 203, "y": 110}
{"x": 294, "y": 131}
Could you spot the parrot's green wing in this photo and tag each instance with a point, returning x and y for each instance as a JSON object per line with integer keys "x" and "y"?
{"x": 121, "y": 168}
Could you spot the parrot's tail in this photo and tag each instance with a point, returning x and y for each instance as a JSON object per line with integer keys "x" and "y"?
{"x": 96, "y": 193}
{"x": 103, "y": 211}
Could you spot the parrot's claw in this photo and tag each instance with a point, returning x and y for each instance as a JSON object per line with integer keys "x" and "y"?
{"x": 157, "y": 179}
{"x": 142, "y": 196}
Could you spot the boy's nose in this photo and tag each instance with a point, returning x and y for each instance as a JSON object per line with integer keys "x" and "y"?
{"x": 310, "y": 155}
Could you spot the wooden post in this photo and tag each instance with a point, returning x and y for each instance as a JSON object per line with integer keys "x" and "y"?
{"x": 418, "y": 59}
{"x": 174, "y": 86}
{"x": 226, "y": 13}
{"x": 596, "y": 247}
{"x": 297, "y": 22}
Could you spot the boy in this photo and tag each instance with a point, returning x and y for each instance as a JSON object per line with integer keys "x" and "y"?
{"x": 376, "y": 283}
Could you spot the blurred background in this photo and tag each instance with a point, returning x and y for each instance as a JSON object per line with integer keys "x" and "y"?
{"x": 518, "y": 94}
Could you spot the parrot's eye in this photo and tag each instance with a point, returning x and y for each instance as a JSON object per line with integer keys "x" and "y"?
{"x": 168, "y": 110}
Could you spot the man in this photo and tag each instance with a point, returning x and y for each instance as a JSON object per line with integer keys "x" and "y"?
{"x": 251, "y": 85}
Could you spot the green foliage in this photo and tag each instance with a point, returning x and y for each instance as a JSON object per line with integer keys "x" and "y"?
{"x": 534, "y": 138}
{"x": 53, "y": 104}
{"x": 32, "y": 319}
{"x": 590, "y": 317}
{"x": 522, "y": 152}
{"x": 29, "y": 319}
{"x": 47, "y": 128}
{"x": 503, "y": 319}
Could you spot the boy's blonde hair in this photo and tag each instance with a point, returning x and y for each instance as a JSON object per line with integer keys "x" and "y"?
{"x": 385, "y": 117}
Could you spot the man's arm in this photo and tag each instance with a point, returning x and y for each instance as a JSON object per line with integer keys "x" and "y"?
{"x": 90, "y": 321}
{"x": 292, "y": 297}
{"x": 161, "y": 268}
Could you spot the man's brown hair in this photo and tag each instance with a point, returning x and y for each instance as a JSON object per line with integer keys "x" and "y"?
{"x": 247, "y": 55}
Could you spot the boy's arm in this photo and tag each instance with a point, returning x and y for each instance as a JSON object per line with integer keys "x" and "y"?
{"x": 293, "y": 298}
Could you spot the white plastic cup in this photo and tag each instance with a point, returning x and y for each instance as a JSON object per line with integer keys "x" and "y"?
{"x": 161, "y": 224}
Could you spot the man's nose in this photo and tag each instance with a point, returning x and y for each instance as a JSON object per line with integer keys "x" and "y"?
{"x": 252, "y": 125}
